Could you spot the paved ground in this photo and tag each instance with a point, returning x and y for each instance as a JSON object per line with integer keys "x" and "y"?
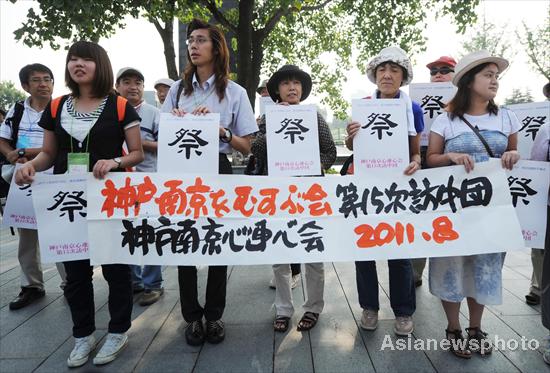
{"x": 38, "y": 338}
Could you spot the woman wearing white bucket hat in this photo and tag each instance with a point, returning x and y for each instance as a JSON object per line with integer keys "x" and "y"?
{"x": 454, "y": 140}
{"x": 390, "y": 70}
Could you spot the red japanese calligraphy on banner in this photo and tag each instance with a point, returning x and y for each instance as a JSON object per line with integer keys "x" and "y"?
{"x": 171, "y": 219}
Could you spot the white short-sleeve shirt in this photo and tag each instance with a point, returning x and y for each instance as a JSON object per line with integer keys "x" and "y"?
{"x": 505, "y": 122}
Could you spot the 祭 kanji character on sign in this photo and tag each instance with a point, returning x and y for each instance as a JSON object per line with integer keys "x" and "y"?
{"x": 381, "y": 124}
{"x": 432, "y": 105}
{"x": 189, "y": 140}
{"x": 531, "y": 125}
{"x": 69, "y": 203}
{"x": 292, "y": 128}
{"x": 519, "y": 188}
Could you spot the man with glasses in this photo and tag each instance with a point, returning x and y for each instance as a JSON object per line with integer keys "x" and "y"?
{"x": 441, "y": 70}
{"x": 130, "y": 85}
{"x": 21, "y": 141}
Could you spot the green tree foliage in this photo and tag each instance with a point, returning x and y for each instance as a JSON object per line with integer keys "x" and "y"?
{"x": 492, "y": 38}
{"x": 519, "y": 97}
{"x": 9, "y": 94}
{"x": 329, "y": 36}
{"x": 535, "y": 41}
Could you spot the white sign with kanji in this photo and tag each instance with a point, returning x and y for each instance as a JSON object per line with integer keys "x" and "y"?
{"x": 61, "y": 206}
{"x": 531, "y": 117}
{"x": 383, "y": 140}
{"x": 528, "y": 182}
{"x": 189, "y": 144}
{"x": 292, "y": 138}
{"x": 432, "y": 98}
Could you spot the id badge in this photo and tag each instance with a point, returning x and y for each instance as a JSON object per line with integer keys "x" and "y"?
{"x": 78, "y": 163}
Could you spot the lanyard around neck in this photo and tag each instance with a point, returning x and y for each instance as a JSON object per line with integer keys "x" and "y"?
{"x": 88, "y": 134}
{"x": 204, "y": 96}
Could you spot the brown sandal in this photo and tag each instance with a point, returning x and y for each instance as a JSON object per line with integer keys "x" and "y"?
{"x": 308, "y": 321}
{"x": 478, "y": 341}
{"x": 281, "y": 324}
{"x": 458, "y": 344}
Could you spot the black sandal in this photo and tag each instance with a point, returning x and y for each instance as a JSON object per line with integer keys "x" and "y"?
{"x": 458, "y": 344}
{"x": 532, "y": 299}
{"x": 478, "y": 341}
{"x": 281, "y": 324}
{"x": 308, "y": 321}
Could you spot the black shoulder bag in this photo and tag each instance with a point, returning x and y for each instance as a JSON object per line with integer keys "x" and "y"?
{"x": 476, "y": 131}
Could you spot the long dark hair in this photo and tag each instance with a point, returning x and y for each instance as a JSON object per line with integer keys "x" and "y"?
{"x": 221, "y": 59}
{"x": 103, "y": 78}
{"x": 461, "y": 102}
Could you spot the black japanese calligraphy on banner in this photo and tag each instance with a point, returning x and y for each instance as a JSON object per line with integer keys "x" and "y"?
{"x": 188, "y": 237}
{"x": 230, "y": 219}
{"x": 416, "y": 198}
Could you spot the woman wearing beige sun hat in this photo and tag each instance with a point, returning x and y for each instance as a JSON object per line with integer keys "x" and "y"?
{"x": 454, "y": 142}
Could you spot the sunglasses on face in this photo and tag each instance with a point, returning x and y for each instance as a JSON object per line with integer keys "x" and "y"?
{"x": 443, "y": 70}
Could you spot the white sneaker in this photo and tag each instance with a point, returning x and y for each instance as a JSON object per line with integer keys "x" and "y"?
{"x": 272, "y": 283}
{"x": 295, "y": 281}
{"x": 403, "y": 325}
{"x": 369, "y": 320}
{"x": 114, "y": 343}
{"x": 81, "y": 351}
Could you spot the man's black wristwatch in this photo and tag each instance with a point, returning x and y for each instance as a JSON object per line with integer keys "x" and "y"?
{"x": 227, "y": 136}
{"x": 21, "y": 152}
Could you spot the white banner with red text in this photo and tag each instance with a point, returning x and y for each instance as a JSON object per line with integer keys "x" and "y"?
{"x": 177, "y": 219}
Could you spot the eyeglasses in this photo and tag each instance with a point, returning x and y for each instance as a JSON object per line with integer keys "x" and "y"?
{"x": 199, "y": 41}
{"x": 40, "y": 80}
{"x": 442, "y": 70}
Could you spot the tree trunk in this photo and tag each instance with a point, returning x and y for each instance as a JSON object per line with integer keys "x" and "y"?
{"x": 257, "y": 57}
{"x": 244, "y": 49}
{"x": 169, "y": 52}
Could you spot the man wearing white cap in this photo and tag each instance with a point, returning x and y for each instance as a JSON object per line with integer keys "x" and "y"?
{"x": 162, "y": 86}
{"x": 390, "y": 70}
{"x": 262, "y": 89}
{"x": 129, "y": 83}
